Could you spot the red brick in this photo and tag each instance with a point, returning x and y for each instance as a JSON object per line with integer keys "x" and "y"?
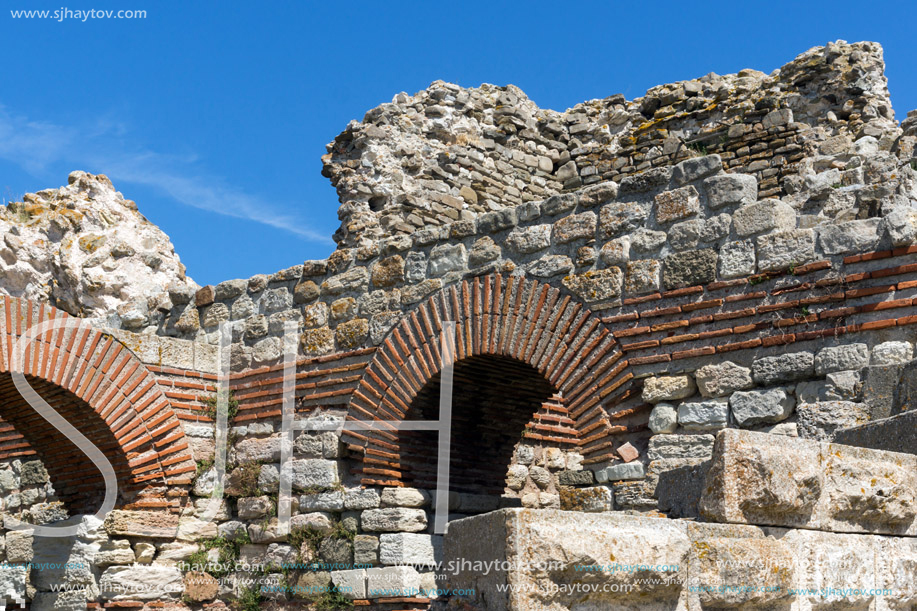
{"x": 686, "y": 354}
{"x": 752, "y": 343}
{"x": 875, "y": 290}
{"x": 631, "y": 331}
{"x": 700, "y": 305}
{"x": 643, "y": 299}
{"x": 661, "y": 312}
{"x": 778, "y": 340}
{"x": 640, "y": 345}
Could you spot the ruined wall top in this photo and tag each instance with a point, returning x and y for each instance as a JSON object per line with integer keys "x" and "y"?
{"x": 449, "y": 153}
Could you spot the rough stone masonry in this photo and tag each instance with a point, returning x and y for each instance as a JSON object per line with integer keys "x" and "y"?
{"x": 667, "y": 310}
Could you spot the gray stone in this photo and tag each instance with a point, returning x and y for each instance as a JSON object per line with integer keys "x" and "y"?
{"x": 595, "y": 195}
{"x": 551, "y": 265}
{"x": 404, "y": 497}
{"x": 575, "y": 478}
{"x": 598, "y": 285}
{"x": 645, "y": 181}
{"x": 394, "y": 581}
{"x": 785, "y": 249}
{"x": 336, "y": 551}
{"x": 783, "y": 368}
{"x": 558, "y": 204}
{"x": 696, "y": 168}
{"x": 703, "y": 415}
{"x": 141, "y": 582}
{"x": 394, "y": 519}
{"x": 526, "y": 240}
{"x": 689, "y": 268}
{"x": 667, "y": 447}
{"x": 642, "y": 276}
{"x": 763, "y": 216}
{"x": 365, "y": 498}
{"x": 663, "y": 418}
{"x": 622, "y": 471}
{"x": 892, "y": 353}
{"x": 366, "y": 549}
{"x": 776, "y": 118}
{"x": 496, "y": 221}
{"x": 737, "y": 259}
{"x": 761, "y": 406}
{"x": 716, "y": 228}
{"x": 415, "y": 266}
{"x": 901, "y": 226}
{"x": 33, "y": 473}
{"x": 721, "y": 379}
{"x": 484, "y": 251}
{"x": 312, "y": 472}
{"x": 351, "y": 584}
{"x": 850, "y": 237}
{"x": 446, "y": 258}
{"x": 685, "y": 235}
{"x": 677, "y": 204}
{"x": 620, "y": 217}
{"x": 541, "y": 476}
{"x": 841, "y": 358}
{"x": 731, "y": 189}
{"x": 516, "y": 476}
{"x": 645, "y": 240}
{"x": 616, "y": 252}
{"x": 667, "y": 388}
{"x": 574, "y": 227}
{"x": 410, "y": 549}
{"x": 820, "y": 420}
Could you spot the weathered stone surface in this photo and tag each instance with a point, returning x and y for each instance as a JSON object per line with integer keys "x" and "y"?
{"x": 721, "y": 379}
{"x": 446, "y": 258}
{"x": 200, "y": 587}
{"x": 621, "y": 471}
{"x": 642, "y": 276}
{"x": 404, "y": 497}
{"x": 312, "y": 472}
{"x": 769, "y": 479}
{"x": 850, "y": 237}
{"x": 392, "y": 582}
{"x": 841, "y": 358}
{"x": 551, "y": 265}
{"x": 568, "y": 539}
{"x": 141, "y": 582}
{"x": 663, "y": 418}
{"x": 892, "y": 353}
{"x": 410, "y": 548}
{"x": 820, "y": 420}
{"x": 696, "y": 168}
{"x": 394, "y": 519}
{"x": 761, "y": 406}
{"x": 766, "y": 215}
{"x": 619, "y": 218}
{"x": 731, "y": 189}
{"x": 677, "y": 204}
{"x": 150, "y": 524}
{"x": 575, "y": 227}
{"x": 785, "y": 249}
{"x": 596, "y": 285}
{"x": 351, "y": 584}
{"x": 708, "y": 415}
{"x": 901, "y": 226}
{"x": 526, "y": 240}
{"x": 668, "y": 388}
{"x": 664, "y": 447}
{"x": 783, "y": 368}
{"x": 737, "y": 259}
{"x": 689, "y": 268}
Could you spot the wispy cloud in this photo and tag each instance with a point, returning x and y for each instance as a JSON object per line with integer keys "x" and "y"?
{"x": 35, "y": 145}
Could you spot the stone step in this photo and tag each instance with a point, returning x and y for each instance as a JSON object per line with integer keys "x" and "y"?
{"x": 895, "y": 434}
{"x": 534, "y": 560}
{"x": 762, "y": 479}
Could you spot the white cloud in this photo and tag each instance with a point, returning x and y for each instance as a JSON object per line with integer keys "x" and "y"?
{"x": 35, "y": 145}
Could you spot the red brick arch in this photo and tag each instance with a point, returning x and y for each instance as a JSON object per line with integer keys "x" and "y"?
{"x": 522, "y": 319}
{"x": 103, "y": 390}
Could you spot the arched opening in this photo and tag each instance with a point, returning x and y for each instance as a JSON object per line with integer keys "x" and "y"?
{"x": 76, "y": 481}
{"x": 493, "y": 402}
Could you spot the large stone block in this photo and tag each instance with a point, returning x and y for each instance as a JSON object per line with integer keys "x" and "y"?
{"x": 599, "y": 285}
{"x": 393, "y": 581}
{"x": 758, "y": 478}
{"x": 689, "y": 268}
{"x": 710, "y": 415}
{"x": 761, "y": 406}
{"x": 154, "y": 524}
{"x": 394, "y": 519}
{"x": 677, "y": 204}
{"x": 731, "y": 189}
{"x": 785, "y": 249}
{"x": 668, "y": 388}
{"x": 721, "y": 379}
{"x": 547, "y": 553}
{"x": 139, "y": 582}
{"x": 782, "y": 368}
{"x": 766, "y": 215}
{"x": 410, "y": 548}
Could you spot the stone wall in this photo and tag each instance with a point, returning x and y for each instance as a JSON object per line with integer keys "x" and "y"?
{"x": 627, "y": 279}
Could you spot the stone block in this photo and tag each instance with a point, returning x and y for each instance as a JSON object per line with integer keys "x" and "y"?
{"x": 351, "y": 584}
{"x": 575, "y": 227}
{"x": 696, "y": 168}
{"x": 410, "y": 548}
{"x": 366, "y": 549}
{"x": 708, "y": 415}
{"x": 682, "y": 447}
{"x": 392, "y": 582}
{"x": 731, "y": 189}
{"x": 761, "y": 406}
{"x": 841, "y": 358}
{"x": 394, "y": 519}
{"x": 689, "y": 268}
{"x": 141, "y": 582}
{"x": 621, "y": 471}
{"x": 152, "y": 524}
{"x": 361, "y": 498}
{"x": 663, "y": 418}
{"x": 737, "y": 259}
{"x": 820, "y": 420}
{"x": 783, "y": 368}
{"x": 526, "y": 240}
{"x": 721, "y": 379}
{"x": 446, "y": 258}
{"x": 677, "y": 204}
{"x": 668, "y": 388}
{"x": 850, "y": 237}
{"x": 599, "y": 285}
{"x": 760, "y": 217}
{"x": 756, "y": 478}
{"x": 618, "y": 218}
{"x": 892, "y": 353}
{"x": 786, "y": 249}
{"x": 404, "y": 497}
{"x": 575, "y": 478}
{"x": 499, "y": 220}
{"x": 314, "y": 473}
{"x": 642, "y": 276}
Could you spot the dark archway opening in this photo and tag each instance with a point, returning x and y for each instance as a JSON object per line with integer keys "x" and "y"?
{"x": 494, "y": 399}
{"x": 76, "y": 480}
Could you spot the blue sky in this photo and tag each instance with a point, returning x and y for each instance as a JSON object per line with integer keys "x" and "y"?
{"x": 213, "y": 116}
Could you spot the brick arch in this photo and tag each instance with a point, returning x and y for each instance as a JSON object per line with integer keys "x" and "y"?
{"x": 519, "y": 318}
{"x": 103, "y": 390}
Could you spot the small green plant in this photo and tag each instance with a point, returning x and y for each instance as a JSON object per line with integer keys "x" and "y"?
{"x": 914, "y": 164}
{"x": 232, "y": 407}
{"x": 245, "y": 478}
{"x": 756, "y": 280}
{"x": 805, "y": 310}
{"x": 699, "y": 148}
{"x": 250, "y": 599}
{"x": 836, "y": 185}
{"x": 332, "y": 600}
{"x": 228, "y": 554}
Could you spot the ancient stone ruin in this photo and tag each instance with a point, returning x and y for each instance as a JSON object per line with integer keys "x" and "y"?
{"x": 678, "y": 332}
